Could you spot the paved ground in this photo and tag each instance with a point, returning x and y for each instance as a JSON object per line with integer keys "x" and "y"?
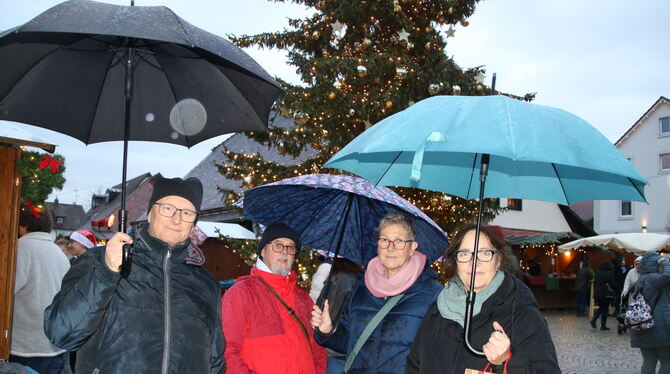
{"x": 583, "y": 350}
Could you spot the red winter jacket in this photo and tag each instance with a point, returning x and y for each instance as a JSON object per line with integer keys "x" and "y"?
{"x": 261, "y": 337}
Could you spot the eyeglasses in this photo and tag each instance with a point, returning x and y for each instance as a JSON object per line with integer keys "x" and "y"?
{"x": 483, "y": 255}
{"x": 384, "y": 243}
{"x": 168, "y": 210}
{"x": 278, "y": 247}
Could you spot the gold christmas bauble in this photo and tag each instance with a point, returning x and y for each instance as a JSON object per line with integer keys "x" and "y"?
{"x": 331, "y": 95}
{"x": 388, "y": 104}
{"x": 465, "y": 23}
{"x": 433, "y": 88}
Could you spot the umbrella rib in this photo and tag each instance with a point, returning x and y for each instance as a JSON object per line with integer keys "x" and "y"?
{"x": 472, "y": 173}
{"x": 387, "y": 169}
{"x": 97, "y": 100}
{"x": 561, "y": 182}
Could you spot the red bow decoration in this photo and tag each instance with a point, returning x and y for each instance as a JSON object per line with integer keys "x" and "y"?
{"x": 35, "y": 210}
{"x": 50, "y": 162}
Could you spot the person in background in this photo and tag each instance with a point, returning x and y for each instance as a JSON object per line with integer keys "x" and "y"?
{"x": 164, "y": 317}
{"x": 620, "y": 271}
{"x": 266, "y": 314}
{"x": 399, "y": 275}
{"x": 654, "y": 343}
{"x": 40, "y": 268}
{"x": 80, "y": 242}
{"x": 506, "y": 325}
{"x": 319, "y": 278}
{"x": 583, "y": 286}
{"x": 603, "y": 293}
{"x": 64, "y": 245}
{"x": 344, "y": 275}
{"x": 632, "y": 277}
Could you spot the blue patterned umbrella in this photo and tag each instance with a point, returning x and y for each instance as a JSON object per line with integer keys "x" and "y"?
{"x": 342, "y": 212}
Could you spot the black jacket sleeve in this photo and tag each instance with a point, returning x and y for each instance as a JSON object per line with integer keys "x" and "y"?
{"x": 77, "y": 309}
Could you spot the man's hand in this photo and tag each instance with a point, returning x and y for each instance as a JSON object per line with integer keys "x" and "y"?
{"x": 321, "y": 319}
{"x": 114, "y": 250}
{"x": 498, "y": 346}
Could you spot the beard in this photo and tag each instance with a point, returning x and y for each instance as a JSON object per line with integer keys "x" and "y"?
{"x": 281, "y": 268}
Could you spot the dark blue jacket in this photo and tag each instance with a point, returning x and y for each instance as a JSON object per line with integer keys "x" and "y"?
{"x": 165, "y": 317}
{"x": 387, "y": 348}
{"x": 655, "y": 288}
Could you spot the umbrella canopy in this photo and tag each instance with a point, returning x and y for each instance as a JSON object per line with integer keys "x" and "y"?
{"x": 65, "y": 70}
{"x": 536, "y": 152}
{"x": 634, "y": 242}
{"x": 334, "y": 212}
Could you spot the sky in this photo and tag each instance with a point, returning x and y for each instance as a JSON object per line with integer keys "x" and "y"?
{"x": 603, "y": 60}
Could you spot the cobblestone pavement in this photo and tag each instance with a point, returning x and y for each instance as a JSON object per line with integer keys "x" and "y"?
{"x": 583, "y": 350}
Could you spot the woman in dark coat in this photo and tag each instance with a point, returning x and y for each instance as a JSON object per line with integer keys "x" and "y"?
{"x": 654, "y": 343}
{"x": 603, "y": 293}
{"x": 399, "y": 271}
{"x": 507, "y": 324}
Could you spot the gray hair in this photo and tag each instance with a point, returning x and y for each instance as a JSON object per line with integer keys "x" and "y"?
{"x": 399, "y": 218}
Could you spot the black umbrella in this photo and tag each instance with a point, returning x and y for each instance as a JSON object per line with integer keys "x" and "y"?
{"x": 101, "y": 72}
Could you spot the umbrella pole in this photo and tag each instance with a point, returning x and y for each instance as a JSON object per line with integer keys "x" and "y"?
{"x": 127, "y": 255}
{"x": 326, "y": 286}
{"x": 470, "y": 300}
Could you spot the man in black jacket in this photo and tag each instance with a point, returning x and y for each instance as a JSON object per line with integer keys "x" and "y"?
{"x": 164, "y": 317}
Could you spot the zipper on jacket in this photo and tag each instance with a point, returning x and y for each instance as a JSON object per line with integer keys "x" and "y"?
{"x": 166, "y": 298}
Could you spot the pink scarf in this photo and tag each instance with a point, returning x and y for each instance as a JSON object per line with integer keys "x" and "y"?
{"x": 380, "y": 286}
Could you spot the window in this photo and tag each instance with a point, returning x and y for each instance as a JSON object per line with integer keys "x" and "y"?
{"x": 514, "y": 204}
{"x": 665, "y": 162}
{"x": 626, "y": 208}
{"x": 664, "y": 125}
{"x": 60, "y": 219}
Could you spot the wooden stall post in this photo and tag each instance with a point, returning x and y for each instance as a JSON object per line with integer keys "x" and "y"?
{"x": 10, "y": 190}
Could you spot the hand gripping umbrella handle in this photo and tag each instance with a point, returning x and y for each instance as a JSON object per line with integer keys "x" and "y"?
{"x": 126, "y": 260}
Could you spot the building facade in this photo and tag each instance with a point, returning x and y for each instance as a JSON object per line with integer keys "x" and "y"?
{"x": 647, "y": 145}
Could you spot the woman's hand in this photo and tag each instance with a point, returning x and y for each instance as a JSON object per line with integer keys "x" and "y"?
{"x": 321, "y": 319}
{"x": 498, "y": 346}
{"x": 114, "y": 250}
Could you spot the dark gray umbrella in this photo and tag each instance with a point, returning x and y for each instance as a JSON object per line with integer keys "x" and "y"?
{"x": 101, "y": 72}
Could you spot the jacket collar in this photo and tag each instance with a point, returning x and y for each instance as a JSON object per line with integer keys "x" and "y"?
{"x": 278, "y": 282}
{"x": 190, "y": 254}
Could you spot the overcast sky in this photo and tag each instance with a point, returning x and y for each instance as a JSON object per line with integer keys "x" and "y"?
{"x": 603, "y": 60}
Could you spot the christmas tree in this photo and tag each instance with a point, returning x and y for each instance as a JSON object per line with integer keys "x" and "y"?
{"x": 359, "y": 62}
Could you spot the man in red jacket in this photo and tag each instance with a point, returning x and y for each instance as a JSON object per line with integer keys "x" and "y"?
{"x": 265, "y": 315}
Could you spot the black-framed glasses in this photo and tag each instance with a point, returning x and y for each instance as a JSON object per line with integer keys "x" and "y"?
{"x": 169, "y": 210}
{"x": 483, "y": 255}
{"x": 384, "y": 243}
{"x": 278, "y": 247}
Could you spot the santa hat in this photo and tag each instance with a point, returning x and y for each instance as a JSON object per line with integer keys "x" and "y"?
{"x": 84, "y": 237}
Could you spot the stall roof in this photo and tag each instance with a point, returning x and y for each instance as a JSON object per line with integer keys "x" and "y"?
{"x": 12, "y": 133}
{"x": 231, "y": 230}
{"x": 541, "y": 239}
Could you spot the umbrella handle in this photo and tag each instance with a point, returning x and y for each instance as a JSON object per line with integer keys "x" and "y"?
{"x": 126, "y": 260}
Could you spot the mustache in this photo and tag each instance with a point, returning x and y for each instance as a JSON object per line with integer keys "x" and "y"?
{"x": 282, "y": 258}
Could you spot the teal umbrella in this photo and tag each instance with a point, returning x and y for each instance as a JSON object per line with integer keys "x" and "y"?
{"x": 452, "y": 144}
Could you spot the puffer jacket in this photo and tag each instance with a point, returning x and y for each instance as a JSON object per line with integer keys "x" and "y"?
{"x": 439, "y": 347}
{"x": 386, "y": 349}
{"x": 164, "y": 318}
{"x": 655, "y": 288}
{"x": 604, "y": 283}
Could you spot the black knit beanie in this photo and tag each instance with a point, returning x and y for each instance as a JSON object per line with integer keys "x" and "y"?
{"x": 278, "y": 230}
{"x": 190, "y": 189}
